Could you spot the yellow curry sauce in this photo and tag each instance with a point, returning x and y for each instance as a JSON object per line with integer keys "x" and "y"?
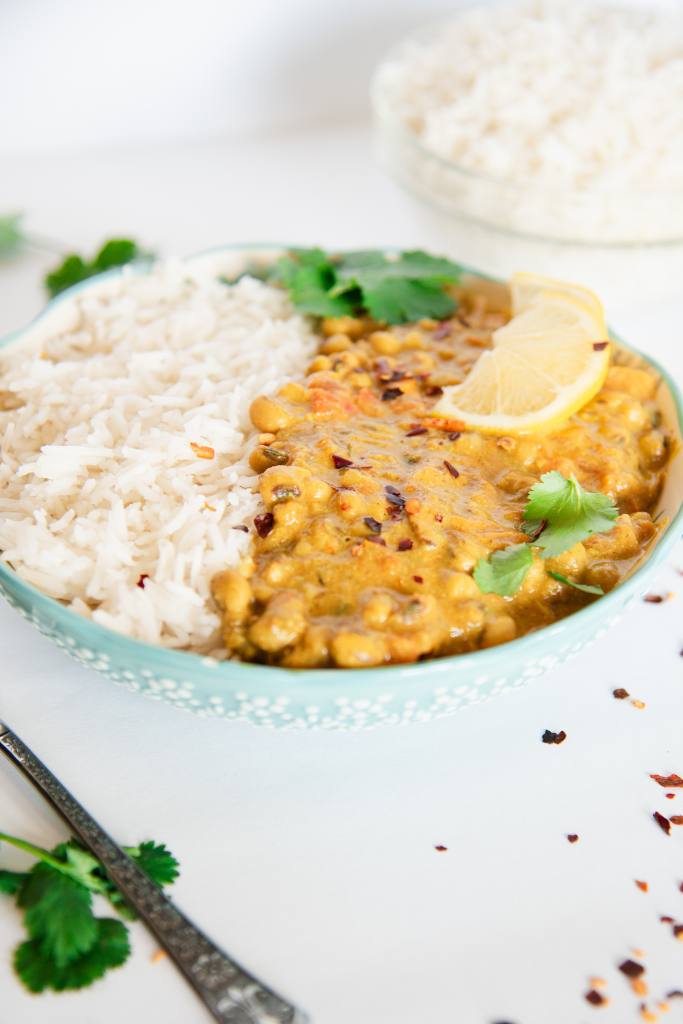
{"x": 375, "y": 517}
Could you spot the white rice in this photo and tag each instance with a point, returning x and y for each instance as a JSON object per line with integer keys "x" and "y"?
{"x": 99, "y": 483}
{"x": 564, "y": 94}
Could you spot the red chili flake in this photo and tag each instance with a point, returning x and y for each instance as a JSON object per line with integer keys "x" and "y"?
{"x": 372, "y": 524}
{"x": 264, "y": 523}
{"x": 539, "y": 530}
{"x": 631, "y": 969}
{"x": 665, "y": 919}
{"x": 394, "y": 496}
{"x": 443, "y": 330}
{"x": 663, "y": 822}
{"x": 434, "y": 391}
{"x": 554, "y": 737}
{"x": 418, "y": 579}
{"x": 594, "y": 998}
{"x": 438, "y": 517}
{"x": 653, "y": 598}
{"x": 416, "y": 431}
{"x": 676, "y": 819}
{"x": 340, "y": 462}
{"x": 454, "y": 435}
{"x": 675, "y": 993}
{"x": 202, "y": 451}
{"x": 141, "y": 582}
{"x": 389, "y": 394}
{"x": 572, "y": 837}
{"x": 680, "y": 888}
{"x": 451, "y": 469}
{"x": 670, "y": 796}
{"x": 405, "y": 544}
{"x": 599, "y": 346}
{"x": 244, "y": 529}
{"x": 440, "y": 848}
{"x": 620, "y": 693}
{"x": 643, "y": 886}
{"x": 669, "y": 781}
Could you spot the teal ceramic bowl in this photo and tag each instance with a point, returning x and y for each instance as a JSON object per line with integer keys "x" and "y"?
{"x": 334, "y": 698}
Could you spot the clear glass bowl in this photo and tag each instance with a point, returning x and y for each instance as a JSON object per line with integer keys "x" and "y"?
{"x": 627, "y": 245}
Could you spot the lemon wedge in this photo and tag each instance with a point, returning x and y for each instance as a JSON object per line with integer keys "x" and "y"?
{"x": 525, "y": 289}
{"x": 546, "y": 363}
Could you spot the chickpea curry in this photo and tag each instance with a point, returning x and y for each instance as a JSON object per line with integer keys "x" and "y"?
{"x": 376, "y": 515}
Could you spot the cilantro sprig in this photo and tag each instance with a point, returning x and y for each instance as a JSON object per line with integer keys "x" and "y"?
{"x": 116, "y": 252}
{"x": 392, "y": 289}
{"x": 559, "y": 513}
{"x": 68, "y": 947}
{"x": 11, "y": 234}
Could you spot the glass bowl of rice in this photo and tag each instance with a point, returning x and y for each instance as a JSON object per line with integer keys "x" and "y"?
{"x": 520, "y": 130}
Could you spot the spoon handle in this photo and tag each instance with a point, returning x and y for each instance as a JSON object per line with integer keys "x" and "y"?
{"x": 230, "y": 993}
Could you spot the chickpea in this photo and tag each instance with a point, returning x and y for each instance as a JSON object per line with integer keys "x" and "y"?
{"x": 320, "y": 363}
{"x": 498, "y": 630}
{"x": 643, "y": 526}
{"x": 466, "y": 620}
{"x": 280, "y": 480}
{"x": 653, "y": 447}
{"x": 336, "y": 343}
{"x": 268, "y": 416}
{"x": 319, "y": 492}
{"x": 384, "y": 342}
{"x": 278, "y": 571}
{"x": 467, "y": 554}
{"x": 293, "y": 392}
{"x": 312, "y": 649}
{"x": 233, "y": 593}
{"x": 413, "y": 340}
{"x": 415, "y": 612}
{"x": 358, "y": 650}
{"x": 281, "y": 624}
{"x": 352, "y": 326}
{"x": 570, "y": 563}
{"x": 638, "y": 384}
{"x": 535, "y": 583}
{"x": 350, "y": 504}
{"x": 459, "y": 586}
{"x": 620, "y": 542}
{"x": 377, "y": 610}
{"x": 602, "y": 574}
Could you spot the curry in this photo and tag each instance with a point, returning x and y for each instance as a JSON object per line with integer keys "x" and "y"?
{"x": 376, "y": 515}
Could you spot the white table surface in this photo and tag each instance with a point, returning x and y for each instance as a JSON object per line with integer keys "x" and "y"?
{"x": 311, "y": 856}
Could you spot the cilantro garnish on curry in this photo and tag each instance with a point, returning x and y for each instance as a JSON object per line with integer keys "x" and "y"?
{"x": 392, "y": 534}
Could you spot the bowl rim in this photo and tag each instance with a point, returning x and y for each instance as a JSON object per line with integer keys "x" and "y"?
{"x": 309, "y": 680}
{"x": 425, "y": 33}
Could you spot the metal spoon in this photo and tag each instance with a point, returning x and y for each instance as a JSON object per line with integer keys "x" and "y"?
{"x": 230, "y": 993}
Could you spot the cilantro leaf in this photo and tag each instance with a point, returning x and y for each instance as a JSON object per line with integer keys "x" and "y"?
{"x": 309, "y": 276}
{"x": 116, "y": 253}
{"x": 11, "y": 234}
{"x": 409, "y": 286}
{"x": 68, "y": 947}
{"x": 38, "y": 970}
{"x": 58, "y": 913}
{"x": 560, "y": 513}
{"x": 11, "y": 882}
{"x": 587, "y": 588}
{"x": 156, "y": 861}
{"x": 74, "y": 268}
{"x": 504, "y": 571}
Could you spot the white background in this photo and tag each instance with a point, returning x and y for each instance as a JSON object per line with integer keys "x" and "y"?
{"x": 311, "y": 857}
